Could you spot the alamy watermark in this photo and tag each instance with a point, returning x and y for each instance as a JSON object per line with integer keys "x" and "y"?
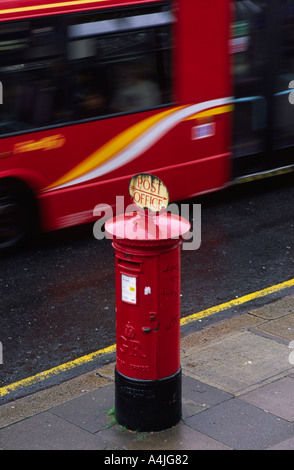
{"x": 1, "y": 353}
{"x": 192, "y": 239}
{"x": 1, "y": 93}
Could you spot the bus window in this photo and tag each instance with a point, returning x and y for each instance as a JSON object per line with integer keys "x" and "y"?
{"x": 121, "y": 61}
{"x": 249, "y": 48}
{"x": 283, "y": 108}
{"x": 58, "y": 70}
{"x": 31, "y": 71}
{"x": 135, "y": 88}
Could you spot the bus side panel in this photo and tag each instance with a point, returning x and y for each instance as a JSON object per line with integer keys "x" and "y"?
{"x": 67, "y": 202}
{"x": 69, "y": 207}
{"x": 203, "y": 60}
{"x": 203, "y": 73}
{"x": 79, "y": 166}
{"x": 193, "y": 156}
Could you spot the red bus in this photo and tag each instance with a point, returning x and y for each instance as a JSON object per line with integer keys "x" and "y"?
{"x": 95, "y": 91}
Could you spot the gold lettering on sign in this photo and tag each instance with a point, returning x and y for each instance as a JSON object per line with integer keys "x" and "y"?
{"x": 148, "y": 192}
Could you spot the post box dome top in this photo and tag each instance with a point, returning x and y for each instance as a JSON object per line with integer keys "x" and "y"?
{"x": 152, "y": 225}
{"x": 139, "y": 227}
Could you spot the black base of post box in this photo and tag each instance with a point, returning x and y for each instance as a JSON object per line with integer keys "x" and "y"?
{"x": 148, "y": 405}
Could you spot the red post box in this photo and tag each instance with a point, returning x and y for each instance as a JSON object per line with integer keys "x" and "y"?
{"x": 147, "y": 269}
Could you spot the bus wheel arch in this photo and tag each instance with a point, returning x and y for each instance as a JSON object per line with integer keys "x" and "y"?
{"x": 19, "y": 214}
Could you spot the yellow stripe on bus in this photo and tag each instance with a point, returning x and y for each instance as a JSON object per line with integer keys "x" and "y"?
{"x": 111, "y": 148}
{"x": 50, "y": 6}
{"x": 212, "y": 112}
{"x": 121, "y": 141}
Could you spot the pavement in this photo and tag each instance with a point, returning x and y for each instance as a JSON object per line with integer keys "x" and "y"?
{"x": 237, "y": 393}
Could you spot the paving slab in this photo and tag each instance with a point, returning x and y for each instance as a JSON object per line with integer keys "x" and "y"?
{"x": 217, "y": 330}
{"x": 276, "y": 398}
{"x": 115, "y": 437}
{"x": 41, "y": 401}
{"x": 202, "y": 394}
{"x": 89, "y": 411}
{"x": 236, "y": 361}
{"x": 281, "y": 328}
{"x": 276, "y": 309}
{"x": 47, "y": 431}
{"x": 196, "y": 396}
{"x": 288, "y": 444}
{"x": 241, "y": 426}
{"x": 180, "y": 437}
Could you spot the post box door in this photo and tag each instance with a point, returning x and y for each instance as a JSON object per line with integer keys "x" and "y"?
{"x": 137, "y": 322}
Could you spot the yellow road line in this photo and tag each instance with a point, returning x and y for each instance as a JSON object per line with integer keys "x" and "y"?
{"x": 55, "y": 370}
{"x": 102, "y": 352}
{"x": 238, "y": 301}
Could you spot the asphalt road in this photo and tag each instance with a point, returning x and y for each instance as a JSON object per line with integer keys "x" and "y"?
{"x": 57, "y": 295}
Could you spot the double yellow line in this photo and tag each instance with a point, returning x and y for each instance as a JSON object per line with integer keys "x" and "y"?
{"x": 110, "y": 349}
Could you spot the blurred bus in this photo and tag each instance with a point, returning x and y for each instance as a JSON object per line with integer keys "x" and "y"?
{"x": 95, "y": 91}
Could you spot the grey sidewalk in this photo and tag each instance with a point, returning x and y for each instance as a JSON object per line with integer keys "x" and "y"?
{"x": 238, "y": 388}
